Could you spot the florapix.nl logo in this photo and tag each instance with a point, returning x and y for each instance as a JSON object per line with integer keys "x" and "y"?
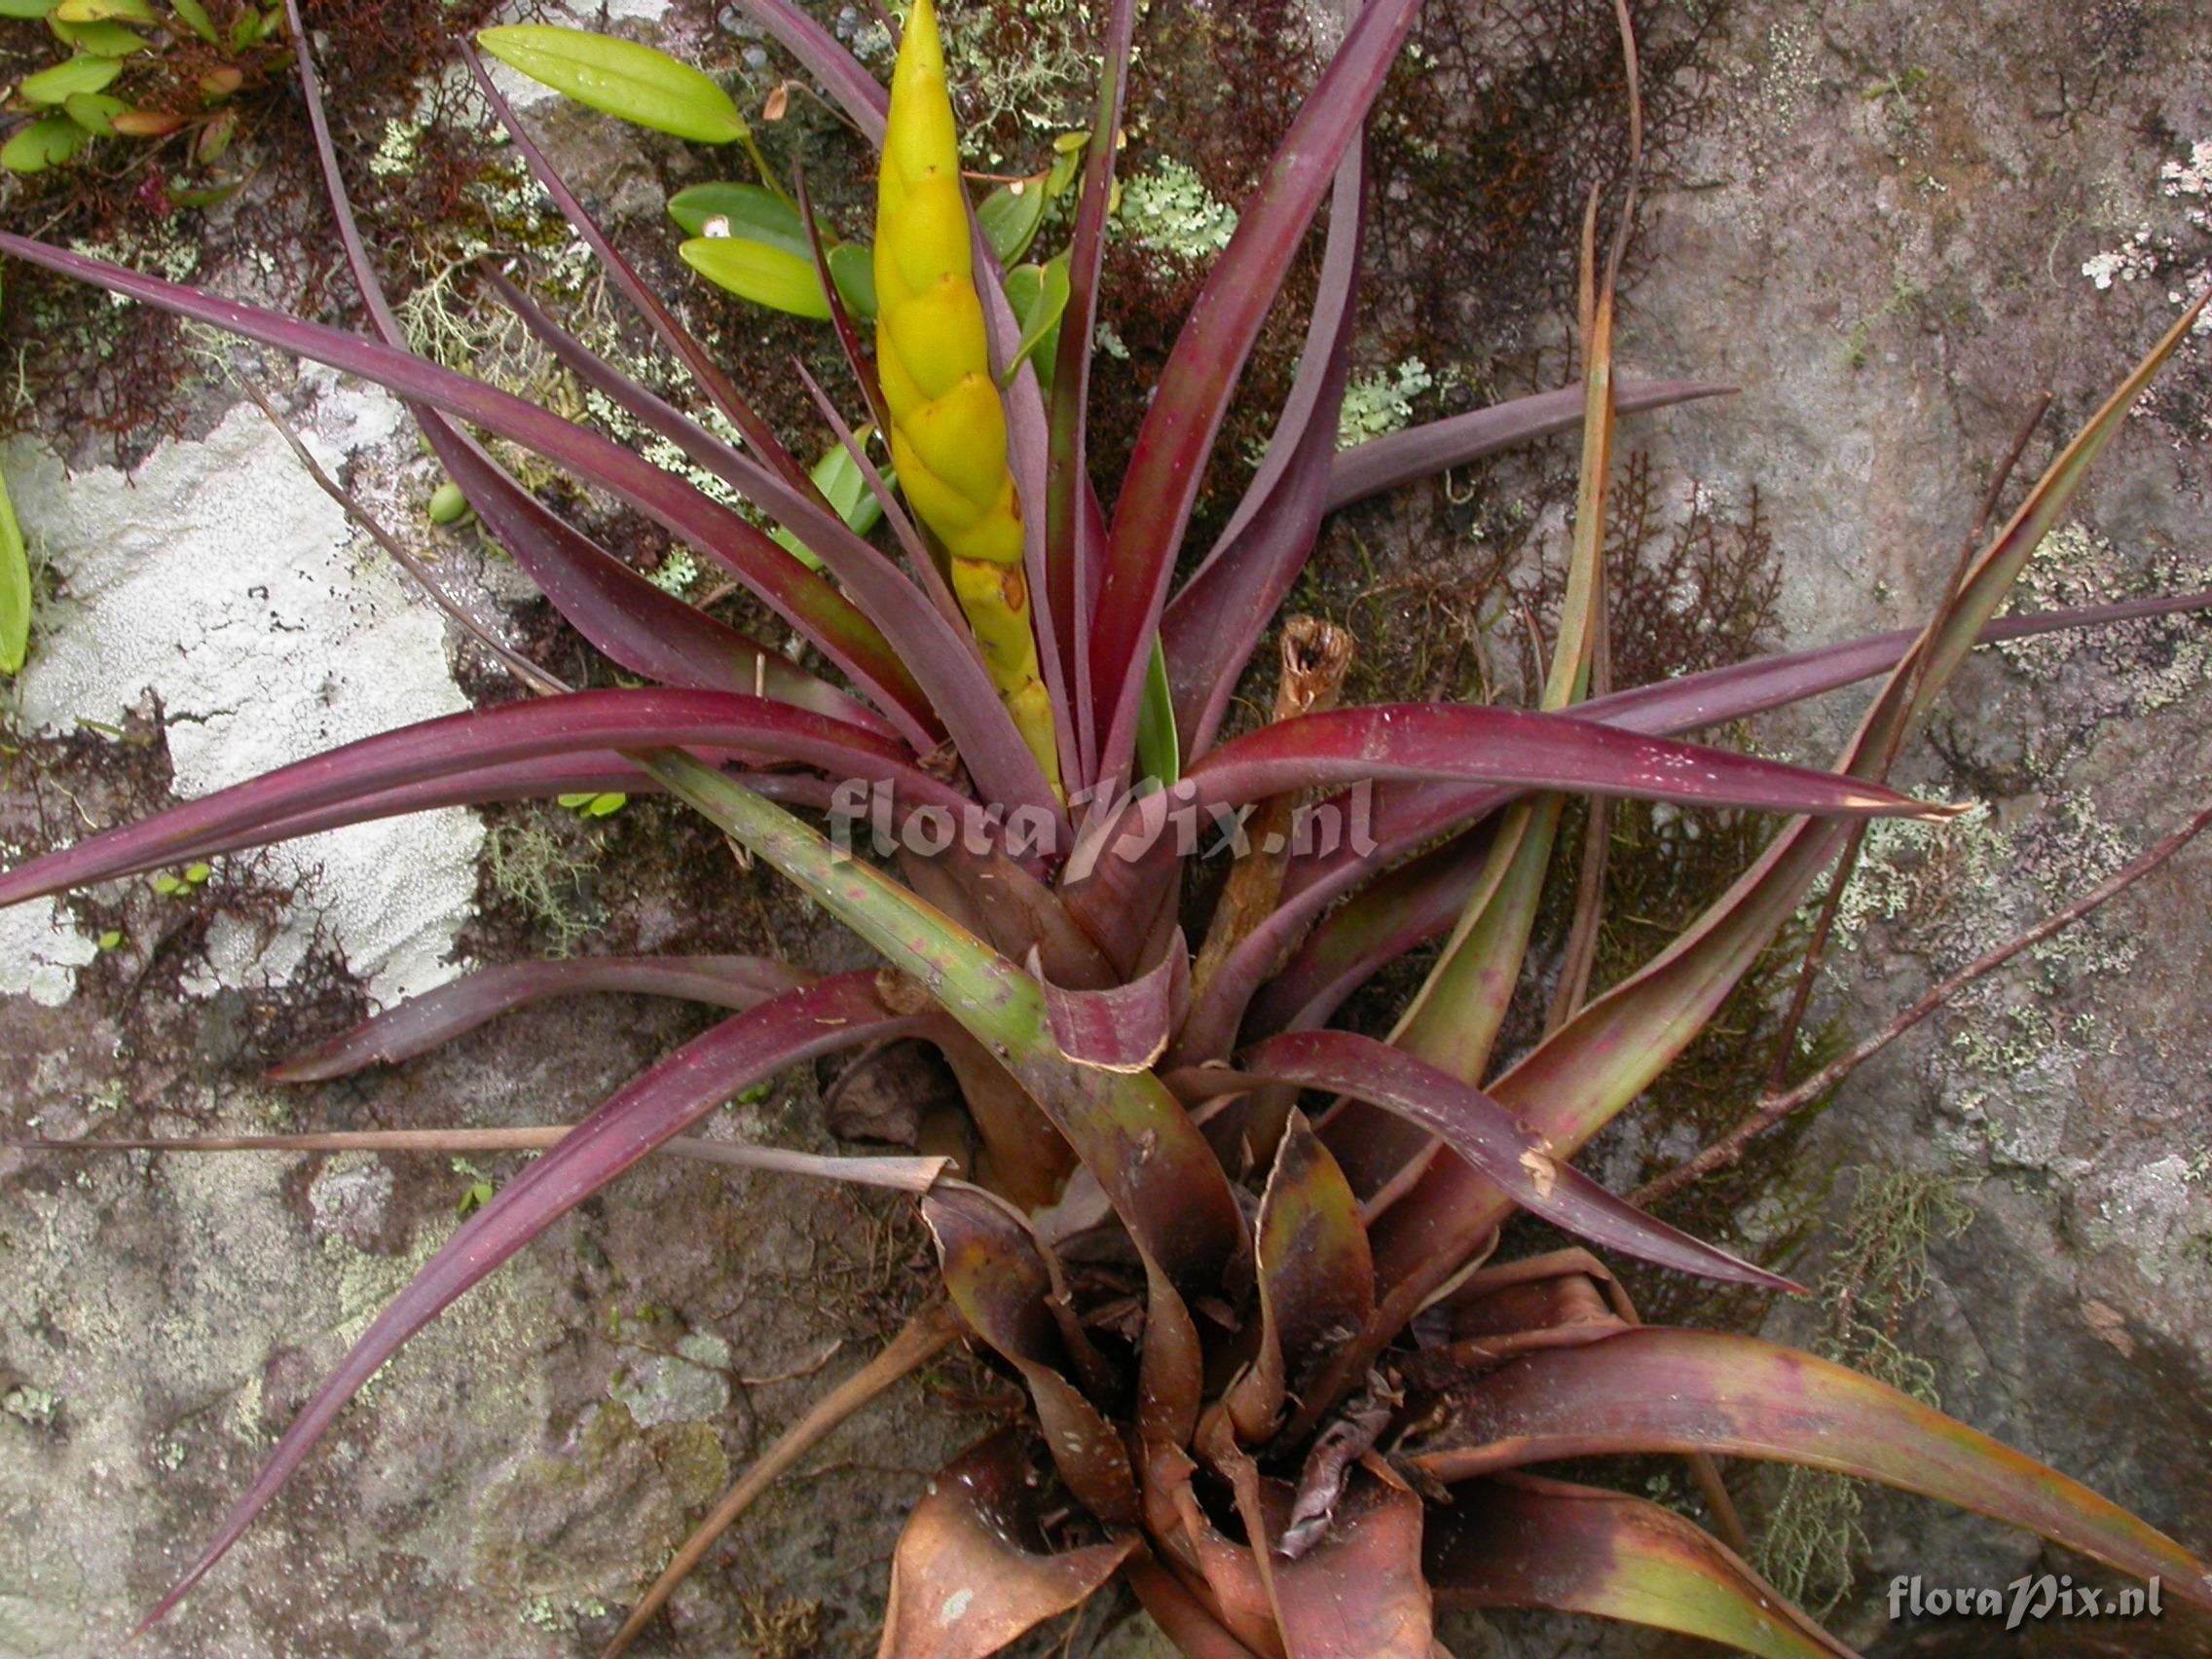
{"x": 2030, "y": 1598}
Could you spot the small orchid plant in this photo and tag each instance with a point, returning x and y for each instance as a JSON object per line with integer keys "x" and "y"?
{"x": 1286, "y": 1387}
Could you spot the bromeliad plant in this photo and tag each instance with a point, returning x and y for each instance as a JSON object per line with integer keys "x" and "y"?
{"x": 1280, "y": 1390}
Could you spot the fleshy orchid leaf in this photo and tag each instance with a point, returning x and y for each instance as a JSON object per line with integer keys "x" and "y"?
{"x": 621, "y": 78}
{"x": 1482, "y": 1132}
{"x": 1653, "y": 1389}
{"x": 754, "y": 271}
{"x": 836, "y": 1014}
{"x": 973, "y": 1571}
{"x": 14, "y": 587}
{"x": 743, "y": 210}
{"x": 1166, "y": 466}
{"x": 437, "y": 1017}
{"x": 1522, "y": 1543}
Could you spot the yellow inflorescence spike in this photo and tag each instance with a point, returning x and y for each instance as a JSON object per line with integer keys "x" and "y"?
{"x": 948, "y": 420}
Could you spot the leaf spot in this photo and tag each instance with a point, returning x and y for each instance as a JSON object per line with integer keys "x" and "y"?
{"x": 955, "y": 1607}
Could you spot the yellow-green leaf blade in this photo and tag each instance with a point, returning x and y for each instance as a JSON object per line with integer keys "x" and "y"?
{"x": 619, "y": 78}
{"x": 14, "y": 588}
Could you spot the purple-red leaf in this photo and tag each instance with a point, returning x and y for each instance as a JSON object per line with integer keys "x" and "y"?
{"x": 1123, "y": 1028}
{"x": 973, "y": 1571}
{"x": 1651, "y": 1389}
{"x": 1518, "y": 1542}
{"x": 1480, "y": 1131}
{"x": 1474, "y": 743}
{"x": 1422, "y": 452}
{"x": 1167, "y": 464}
{"x": 999, "y": 1280}
{"x": 578, "y": 723}
{"x": 1316, "y": 1277}
{"x": 1209, "y": 629}
{"x": 1075, "y": 529}
{"x": 436, "y": 1018}
{"x": 797, "y": 594}
{"x": 820, "y": 1019}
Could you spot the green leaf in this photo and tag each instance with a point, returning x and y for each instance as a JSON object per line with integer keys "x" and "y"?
{"x": 620, "y": 78}
{"x": 86, "y": 74}
{"x": 844, "y": 486}
{"x": 591, "y": 804}
{"x": 101, "y": 10}
{"x": 14, "y": 587}
{"x": 206, "y": 198}
{"x": 246, "y": 31}
{"x": 1041, "y": 314}
{"x": 112, "y": 939}
{"x": 196, "y": 18}
{"x": 1159, "y": 751}
{"x": 770, "y": 277}
{"x": 94, "y": 112}
{"x": 1011, "y": 215}
{"x": 101, "y": 40}
{"x": 749, "y": 211}
{"x": 852, "y": 267}
{"x": 43, "y": 144}
{"x": 1522, "y": 1543}
{"x": 26, "y": 7}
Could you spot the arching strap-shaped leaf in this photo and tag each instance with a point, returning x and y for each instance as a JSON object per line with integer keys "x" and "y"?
{"x": 1180, "y": 1615}
{"x": 974, "y": 1573}
{"x": 583, "y": 721}
{"x": 1574, "y": 1082}
{"x": 1655, "y": 1389}
{"x": 1075, "y": 527}
{"x": 939, "y": 649}
{"x": 1384, "y": 463}
{"x": 997, "y": 1278}
{"x": 1483, "y": 1132}
{"x": 820, "y": 1019}
{"x": 437, "y": 1017}
{"x": 1516, "y": 1541}
{"x": 1167, "y": 464}
{"x": 1403, "y": 817}
{"x": 1209, "y": 629}
{"x": 697, "y": 361}
{"x": 633, "y": 622}
{"x": 1528, "y": 751}
{"x": 797, "y": 594}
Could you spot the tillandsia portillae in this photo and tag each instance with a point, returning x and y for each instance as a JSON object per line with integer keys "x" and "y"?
{"x": 1280, "y": 1388}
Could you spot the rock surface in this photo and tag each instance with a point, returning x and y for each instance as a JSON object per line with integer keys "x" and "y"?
{"x": 1880, "y": 232}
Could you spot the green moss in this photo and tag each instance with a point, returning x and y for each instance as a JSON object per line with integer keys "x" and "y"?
{"x": 1812, "y": 1540}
